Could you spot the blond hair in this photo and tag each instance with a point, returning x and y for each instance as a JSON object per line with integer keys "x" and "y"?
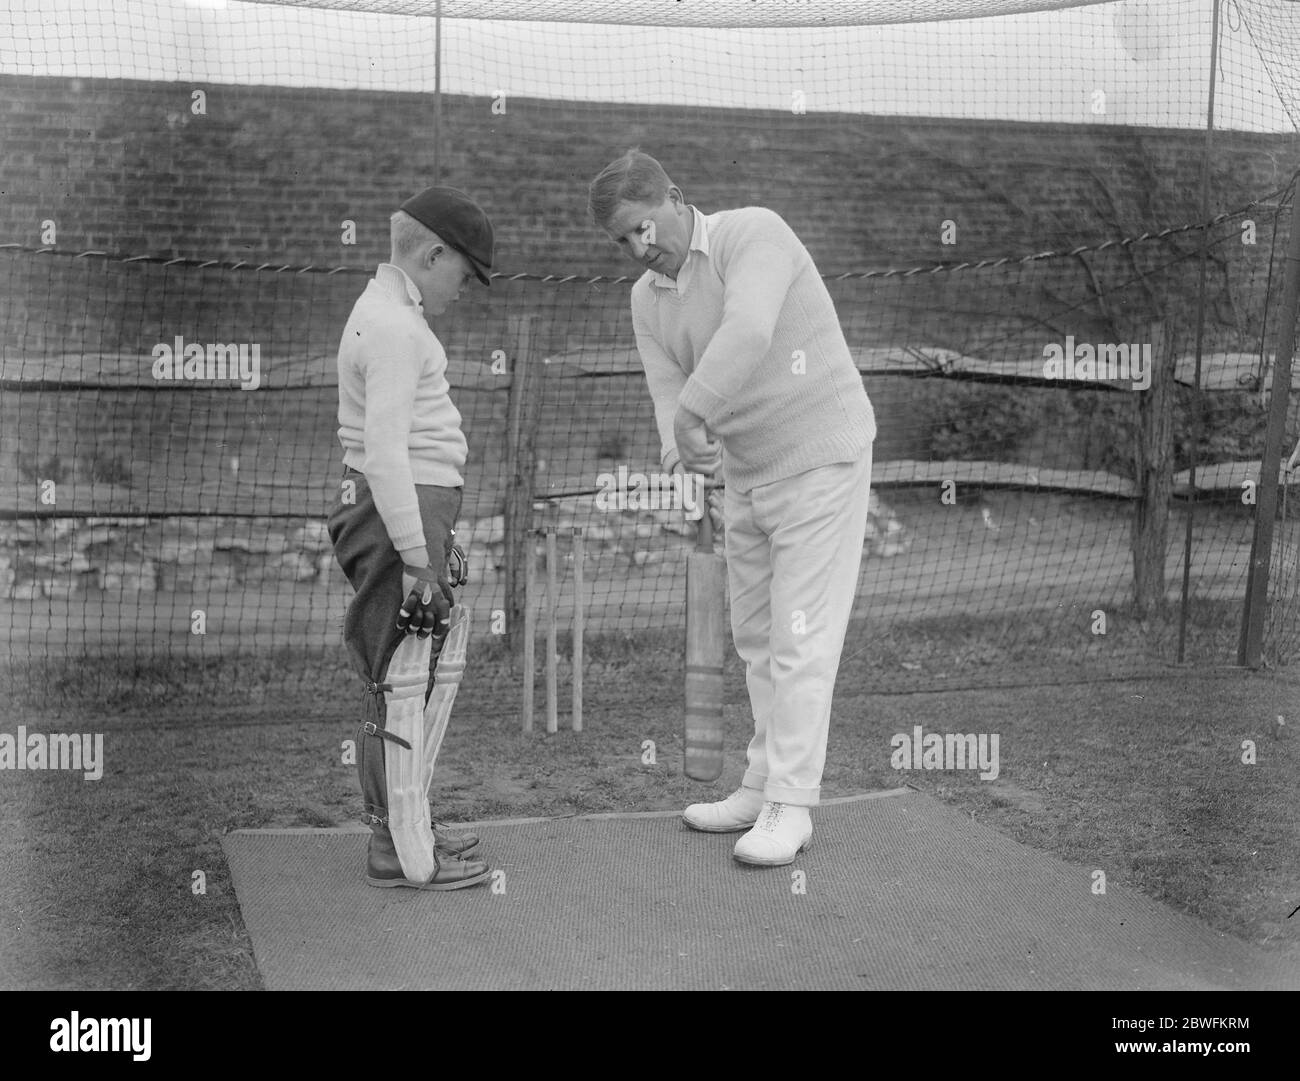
{"x": 407, "y": 235}
{"x": 635, "y": 177}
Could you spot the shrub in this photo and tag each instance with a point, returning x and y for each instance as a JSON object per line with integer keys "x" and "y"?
{"x": 980, "y": 421}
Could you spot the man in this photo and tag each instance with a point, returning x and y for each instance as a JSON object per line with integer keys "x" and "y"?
{"x": 392, "y": 528}
{"x": 752, "y": 379}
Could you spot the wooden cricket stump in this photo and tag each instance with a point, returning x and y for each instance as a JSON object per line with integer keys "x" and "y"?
{"x": 550, "y": 616}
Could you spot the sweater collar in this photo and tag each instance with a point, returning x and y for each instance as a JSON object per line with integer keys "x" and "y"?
{"x": 397, "y": 284}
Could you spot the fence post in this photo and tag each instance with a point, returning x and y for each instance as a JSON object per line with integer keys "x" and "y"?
{"x": 521, "y": 437}
{"x": 1250, "y": 646}
{"x": 1155, "y": 474}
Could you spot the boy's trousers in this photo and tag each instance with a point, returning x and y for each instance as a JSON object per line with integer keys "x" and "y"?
{"x": 366, "y": 554}
{"x": 794, "y": 549}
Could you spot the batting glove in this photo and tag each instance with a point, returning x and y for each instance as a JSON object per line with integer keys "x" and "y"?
{"x": 427, "y": 608}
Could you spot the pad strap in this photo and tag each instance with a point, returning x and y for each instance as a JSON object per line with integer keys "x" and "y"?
{"x": 372, "y": 729}
{"x": 395, "y": 688}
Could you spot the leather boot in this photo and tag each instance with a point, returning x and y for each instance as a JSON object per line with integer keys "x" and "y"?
{"x": 383, "y": 868}
{"x": 455, "y": 842}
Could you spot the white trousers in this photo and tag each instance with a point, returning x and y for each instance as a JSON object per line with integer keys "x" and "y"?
{"x": 794, "y": 549}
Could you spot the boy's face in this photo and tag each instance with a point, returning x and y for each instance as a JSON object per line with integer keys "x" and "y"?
{"x": 441, "y": 275}
{"x": 656, "y": 235}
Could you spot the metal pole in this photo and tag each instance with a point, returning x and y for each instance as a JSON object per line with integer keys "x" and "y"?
{"x": 1200, "y": 332}
{"x": 1251, "y": 647}
{"x": 437, "y": 92}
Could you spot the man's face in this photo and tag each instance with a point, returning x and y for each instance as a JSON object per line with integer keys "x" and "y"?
{"x": 442, "y": 274}
{"x": 656, "y": 235}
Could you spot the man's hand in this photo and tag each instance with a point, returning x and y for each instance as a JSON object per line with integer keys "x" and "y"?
{"x": 698, "y": 452}
{"x": 714, "y": 498}
{"x": 427, "y": 608}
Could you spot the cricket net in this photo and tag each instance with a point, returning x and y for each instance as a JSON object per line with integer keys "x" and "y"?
{"x": 984, "y": 187}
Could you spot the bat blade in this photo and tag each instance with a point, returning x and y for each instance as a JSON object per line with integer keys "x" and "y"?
{"x": 706, "y": 583}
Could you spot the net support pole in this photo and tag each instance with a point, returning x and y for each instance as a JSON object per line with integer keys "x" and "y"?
{"x": 1186, "y": 599}
{"x": 524, "y": 409}
{"x": 1255, "y": 611}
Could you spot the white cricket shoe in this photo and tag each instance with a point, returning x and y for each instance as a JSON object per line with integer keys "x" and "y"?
{"x": 782, "y": 831}
{"x": 738, "y": 811}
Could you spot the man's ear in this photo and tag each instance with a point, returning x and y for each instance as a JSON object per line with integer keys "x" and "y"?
{"x": 431, "y": 256}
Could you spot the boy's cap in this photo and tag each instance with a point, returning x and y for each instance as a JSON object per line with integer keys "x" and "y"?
{"x": 458, "y": 220}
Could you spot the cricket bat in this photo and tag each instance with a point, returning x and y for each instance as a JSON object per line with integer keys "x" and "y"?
{"x": 706, "y": 585}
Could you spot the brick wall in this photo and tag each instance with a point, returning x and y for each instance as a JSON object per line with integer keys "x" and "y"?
{"x": 269, "y": 173}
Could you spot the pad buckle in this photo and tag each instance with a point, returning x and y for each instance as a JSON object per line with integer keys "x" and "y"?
{"x": 372, "y": 729}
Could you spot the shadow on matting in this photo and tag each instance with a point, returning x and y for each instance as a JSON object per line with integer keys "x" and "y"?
{"x": 897, "y": 891}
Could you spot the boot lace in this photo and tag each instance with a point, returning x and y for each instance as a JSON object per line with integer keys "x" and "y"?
{"x": 772, "y": 816}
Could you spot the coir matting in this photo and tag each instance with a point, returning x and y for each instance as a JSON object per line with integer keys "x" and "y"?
{"x": 897, "y": 891}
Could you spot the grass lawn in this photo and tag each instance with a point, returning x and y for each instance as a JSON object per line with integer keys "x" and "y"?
{"x": 1141, "y": 777}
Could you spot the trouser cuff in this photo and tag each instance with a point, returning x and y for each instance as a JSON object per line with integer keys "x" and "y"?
{"x": 795, "y": 797}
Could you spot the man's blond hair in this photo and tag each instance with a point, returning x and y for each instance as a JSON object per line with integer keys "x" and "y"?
{"x": 635, "y": 177}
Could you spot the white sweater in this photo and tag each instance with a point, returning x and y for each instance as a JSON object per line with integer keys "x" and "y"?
{"x": 747, "y": 337}
{"x": 397, "y": 422}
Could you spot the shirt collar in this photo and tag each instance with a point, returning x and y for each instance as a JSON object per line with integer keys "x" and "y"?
{"x": 398, "y": 284}
{"x": 699, "y": 242}
{"x": 700, "y": 234}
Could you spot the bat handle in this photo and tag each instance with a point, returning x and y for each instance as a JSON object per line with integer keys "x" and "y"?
{"x": 706, "y": 531}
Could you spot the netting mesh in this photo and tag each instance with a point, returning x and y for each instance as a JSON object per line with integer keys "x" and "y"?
{"x": 974, "y": 192}
{"x": 714, "y": 13}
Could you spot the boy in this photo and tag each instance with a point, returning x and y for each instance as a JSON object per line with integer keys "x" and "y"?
{"x": 392, "y": 528}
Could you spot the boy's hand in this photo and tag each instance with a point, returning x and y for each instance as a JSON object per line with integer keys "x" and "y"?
{"x": 698, "y": 452}
{"x": 427, "y": 608}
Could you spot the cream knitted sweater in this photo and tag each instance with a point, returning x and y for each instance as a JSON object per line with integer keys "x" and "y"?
{"x": 397, "y": 422}
{"x": 748, "y": 339}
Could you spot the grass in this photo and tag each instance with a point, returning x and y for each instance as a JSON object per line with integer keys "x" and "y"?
{"x": 949, "y": 650}
{"x": 1139, "y": 776}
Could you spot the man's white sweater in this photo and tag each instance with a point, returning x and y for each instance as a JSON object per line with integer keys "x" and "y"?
{"x": 747, "y": 337}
